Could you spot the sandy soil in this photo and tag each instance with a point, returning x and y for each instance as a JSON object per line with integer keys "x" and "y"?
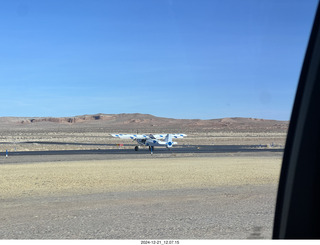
{"x": 42, "y": 179}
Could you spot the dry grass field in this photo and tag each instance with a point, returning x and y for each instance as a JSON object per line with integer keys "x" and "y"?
{"x": 72, "y": 178}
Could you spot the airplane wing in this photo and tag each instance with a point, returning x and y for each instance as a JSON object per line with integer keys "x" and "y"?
{"x": 130, "y": 136}
{"x": 174, "y": 136}
{"x": 178, "y": 136}
{"x": 145, "y": 136}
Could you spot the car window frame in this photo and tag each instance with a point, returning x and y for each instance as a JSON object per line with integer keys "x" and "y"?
{"x": 297, "y": 213}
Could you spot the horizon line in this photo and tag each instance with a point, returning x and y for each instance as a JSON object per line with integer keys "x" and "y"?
{"x": 142, "y": 114}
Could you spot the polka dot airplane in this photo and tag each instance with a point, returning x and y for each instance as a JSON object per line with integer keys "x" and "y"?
{"x": 151, "y": 140}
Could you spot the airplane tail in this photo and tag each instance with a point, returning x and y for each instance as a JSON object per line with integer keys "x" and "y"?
{"x": 168, "y": 140}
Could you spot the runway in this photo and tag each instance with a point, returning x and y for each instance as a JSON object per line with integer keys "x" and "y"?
{"x": 162, "y": 150}
{"x": 128, "y": 153}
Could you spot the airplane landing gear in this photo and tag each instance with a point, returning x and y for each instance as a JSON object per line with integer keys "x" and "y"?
{"x": 136, "y": 148}
{"x": 151, "y": 148}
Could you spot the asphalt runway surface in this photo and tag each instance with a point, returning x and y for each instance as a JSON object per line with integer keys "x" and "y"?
{"x": 128, "y": 153}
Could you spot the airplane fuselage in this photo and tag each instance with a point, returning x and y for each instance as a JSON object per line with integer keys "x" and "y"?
{"x": 153, "y": 142}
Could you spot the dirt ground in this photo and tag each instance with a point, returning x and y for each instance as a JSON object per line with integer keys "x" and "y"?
{"x": 134, "y": 175}
{"x": 160, "y": 198}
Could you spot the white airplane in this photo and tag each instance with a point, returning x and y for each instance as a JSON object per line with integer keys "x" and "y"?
{"x": 151, "y": 140}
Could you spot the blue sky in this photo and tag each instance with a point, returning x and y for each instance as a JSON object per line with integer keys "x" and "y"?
{"x": 170, "y": 58}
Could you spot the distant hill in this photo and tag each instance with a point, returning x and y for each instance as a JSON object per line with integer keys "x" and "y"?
{"x": 136, "y": 121}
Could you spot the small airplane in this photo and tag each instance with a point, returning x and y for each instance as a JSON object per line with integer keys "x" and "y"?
{"x": 151, "y": 140}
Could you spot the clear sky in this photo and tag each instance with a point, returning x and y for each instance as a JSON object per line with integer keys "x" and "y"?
{"x": 172, "y": 58}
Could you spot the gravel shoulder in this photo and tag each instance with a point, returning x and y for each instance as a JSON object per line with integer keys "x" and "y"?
{"x": 162, "y": 198}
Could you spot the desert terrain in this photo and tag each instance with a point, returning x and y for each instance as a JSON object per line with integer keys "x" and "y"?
{"x": 93, "y": 131}
{"x": 163, "y": 196}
